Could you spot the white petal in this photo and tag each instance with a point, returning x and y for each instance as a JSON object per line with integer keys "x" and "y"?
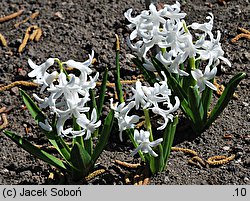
{"x": 210, "y": 85}
{"x": 210, "y": 75}
{"x": 197, "y": 74}
{"x": 225, "y": 60}
{"x": 156, "y": 142}
{"x": 46, "y": 126}
{"x": 135, "y": 151}
{"x": 152, "y": 152}
{"x": 32, "y": 64}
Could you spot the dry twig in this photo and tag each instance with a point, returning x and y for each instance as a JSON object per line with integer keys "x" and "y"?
{"x": 26, "y": 37}
{"x": 128, "y": 165}
{"x": 18, "y": 83}
{"x": 220, "y": 160}
{"x": 187, "y": 151}
{"x": 245, "y": 34}
{"x": 11, "y": 16}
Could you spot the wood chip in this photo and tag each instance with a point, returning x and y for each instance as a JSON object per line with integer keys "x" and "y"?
{"x": 3, "y": 40}
{"x": 38, "y": 35}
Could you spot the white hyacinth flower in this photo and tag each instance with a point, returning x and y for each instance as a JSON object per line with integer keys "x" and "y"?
{"x": 206, "y": 27}
{"x": 139, "y": 96}
{"x": 121, "y": 114}
{"x": 212, "y": 51}
{"x": 203, "y": 79}
{"x": 39, "y": 71}
{"x": 167, "y": 113}
{"x": 89, "y": 125}
{"x": 150, "y": 27}
{"x": 68, "y": 95}
{"x": 142, "y": 138}
{"x": 83, "y": 67}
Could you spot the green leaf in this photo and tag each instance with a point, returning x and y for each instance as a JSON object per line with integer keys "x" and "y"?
{"x": 206, "y": 98}
{"x": 157, "y": 163}
{"x": 46, "y": 157}
{"x": 168, "y": 138}
{"x": 37, "y": 114}
{"x": 106, "y": 130}
{"x": 93, "y": 101}
{"x": 102, "y": 93}
{"x": 78, "y": 139}
{"x": 148, "y": 75}
{"x": 81, "y": 160}
{"x": 196, "y": 106}
{"x": 88, "y": 145}
{"x": 225, "y": 98}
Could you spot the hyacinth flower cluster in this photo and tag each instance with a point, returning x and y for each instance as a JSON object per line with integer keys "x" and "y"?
{"x": 151, "y": 101}
{"x": 189, "y": 55}
{"x": 70, "y": 100}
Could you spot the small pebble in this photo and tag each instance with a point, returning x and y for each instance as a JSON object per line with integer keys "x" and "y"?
{"x": 245, "y": 104}
{"x": 247, "y": 162}
{"x": 15, "y": 90}
{"x": 226, "y": 148}
{"x": 246, "y": 179}
{"x": 5, "y": 170}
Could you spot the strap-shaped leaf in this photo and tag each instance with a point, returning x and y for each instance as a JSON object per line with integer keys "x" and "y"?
{"x": 93, "y": 101}
{"x": 168, "y": 138}
{"x": 37, "y": 114}
{"x": 206, "y": 98}
{"x": 196, "y": 106}
{"x": 102, "y": 93}
{"x": 225, "y": 98}
{"x": 148, "y": 75}
{"x": 106, "y": 130}
{"x": 81, "y": 161}
{"x": 43, "y": 155}
{"x": 157, "y": 163}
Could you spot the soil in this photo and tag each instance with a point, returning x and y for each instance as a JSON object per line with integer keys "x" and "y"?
{"x": 70, "y": 30}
